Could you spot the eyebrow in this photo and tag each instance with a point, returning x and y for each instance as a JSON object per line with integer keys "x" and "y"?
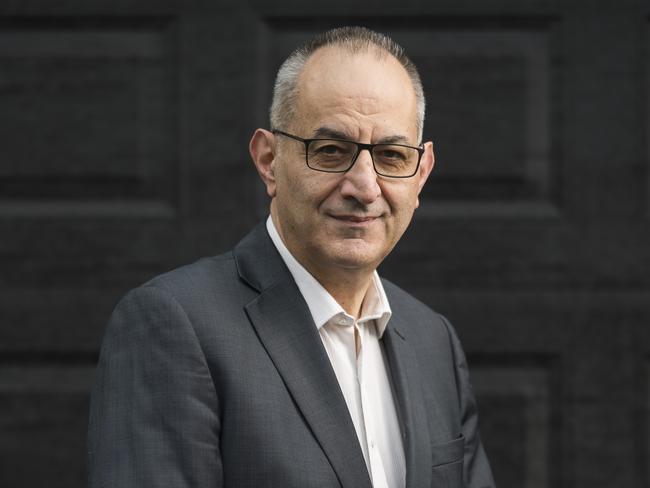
{"x": 330, "y": 133}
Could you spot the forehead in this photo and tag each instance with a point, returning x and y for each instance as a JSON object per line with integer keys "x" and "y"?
{"x": 364, "y": 93}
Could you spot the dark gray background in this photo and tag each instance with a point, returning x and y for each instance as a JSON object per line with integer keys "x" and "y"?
{"x": 123, "y": 136}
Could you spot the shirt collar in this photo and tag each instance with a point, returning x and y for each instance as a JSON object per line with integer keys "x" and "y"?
{"x": 322, "y": 306}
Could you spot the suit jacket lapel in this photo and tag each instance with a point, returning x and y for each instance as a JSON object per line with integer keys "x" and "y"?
{"x": 286, "y": 329}
{"x": 406, "y": 382}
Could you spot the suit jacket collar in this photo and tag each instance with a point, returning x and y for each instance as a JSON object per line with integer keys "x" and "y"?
{"x": 405, "y": 375}
{"x": 257, "y": 260}
{"x": 281, "y": 319}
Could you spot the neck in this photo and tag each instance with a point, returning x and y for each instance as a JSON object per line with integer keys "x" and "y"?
{"x": 348, "y": 286}
{"x": 348, "y": 289}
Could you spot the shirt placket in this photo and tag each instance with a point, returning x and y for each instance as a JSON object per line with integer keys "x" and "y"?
{"x": 376, "y": 467}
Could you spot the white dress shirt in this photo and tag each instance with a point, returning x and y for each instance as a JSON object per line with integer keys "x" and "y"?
{"x": 359, "y": 365}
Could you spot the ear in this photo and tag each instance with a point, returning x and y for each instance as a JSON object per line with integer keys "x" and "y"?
{"x": 262, "y": 150}
{"x": 426, "y": 166}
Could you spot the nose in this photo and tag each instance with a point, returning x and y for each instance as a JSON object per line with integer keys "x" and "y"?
{"x": 360, "y": 181}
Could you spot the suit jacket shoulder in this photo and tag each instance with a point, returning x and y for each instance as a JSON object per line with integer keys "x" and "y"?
{"x": 212, "y": 276}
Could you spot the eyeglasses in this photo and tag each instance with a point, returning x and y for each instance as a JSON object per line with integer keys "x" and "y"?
{"x": 339, "y": 155}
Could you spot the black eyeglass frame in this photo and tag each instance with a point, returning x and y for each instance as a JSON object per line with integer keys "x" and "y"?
{"x": 360, "y": 147}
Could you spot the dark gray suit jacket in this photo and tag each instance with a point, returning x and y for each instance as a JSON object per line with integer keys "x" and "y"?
{"x": 214, "y": 375}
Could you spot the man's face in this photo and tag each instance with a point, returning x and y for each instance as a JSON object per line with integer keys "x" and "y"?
{"x": 347, "y": 220}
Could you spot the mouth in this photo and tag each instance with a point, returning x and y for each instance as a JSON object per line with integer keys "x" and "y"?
{"x": 356, "y": 220}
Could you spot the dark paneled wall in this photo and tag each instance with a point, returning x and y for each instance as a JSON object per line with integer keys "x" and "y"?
{"x": 124, "y": 128}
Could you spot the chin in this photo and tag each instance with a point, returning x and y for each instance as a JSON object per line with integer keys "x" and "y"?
{"x": 350, "y": 256}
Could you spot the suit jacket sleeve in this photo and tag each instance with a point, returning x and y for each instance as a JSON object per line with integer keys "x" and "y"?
{"x": 476, "y": 468}
{"x": 154, "y": 413}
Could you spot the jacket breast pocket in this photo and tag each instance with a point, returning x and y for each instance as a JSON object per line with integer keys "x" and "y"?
{"x": 447, "y": 464}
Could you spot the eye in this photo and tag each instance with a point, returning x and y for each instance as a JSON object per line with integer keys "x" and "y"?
{"x": 394, "y": 154}
{"x": 330, "y": 154}
{"x": 329, "y": 148}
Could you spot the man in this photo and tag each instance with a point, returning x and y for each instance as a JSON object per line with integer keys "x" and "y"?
{"x": 288, "y": 362}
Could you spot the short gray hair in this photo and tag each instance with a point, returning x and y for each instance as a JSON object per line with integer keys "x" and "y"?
{"x": 354, "y": 39}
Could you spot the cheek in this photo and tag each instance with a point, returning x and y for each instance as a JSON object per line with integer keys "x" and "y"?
{"x": 302, "y": 194}
{"x": 401, "y": 198}
{"x": 402, "y": 204}
{"x": 289, "y": 181}
{"x": 316, "y": 190}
